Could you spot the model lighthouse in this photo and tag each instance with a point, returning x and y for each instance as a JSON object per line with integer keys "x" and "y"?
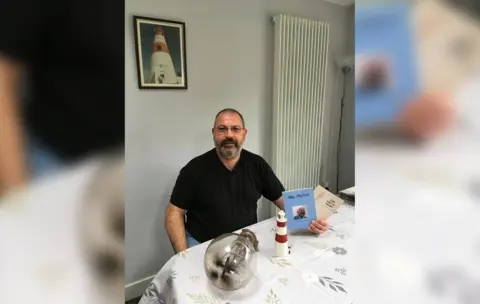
{"x": 281, "y": 236}
{"x": 162, "y": 68}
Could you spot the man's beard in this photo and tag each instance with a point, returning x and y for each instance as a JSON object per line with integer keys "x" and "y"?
{"x": 228, "y": 148}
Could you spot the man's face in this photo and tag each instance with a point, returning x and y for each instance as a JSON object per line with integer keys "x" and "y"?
{"x": 229, "y": 135}
{"x": 301, "y": 212}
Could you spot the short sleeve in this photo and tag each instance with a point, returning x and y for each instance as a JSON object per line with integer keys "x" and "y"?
{"x": 272, "y": 188}
{"x": 182, "y": 194}
{"x": 21, "y": 25}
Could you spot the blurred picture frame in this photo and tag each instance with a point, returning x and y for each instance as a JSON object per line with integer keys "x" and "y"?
{"x": 160, "y": 49}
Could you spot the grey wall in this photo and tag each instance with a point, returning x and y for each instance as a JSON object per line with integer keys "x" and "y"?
{"x": 229, "y": 57}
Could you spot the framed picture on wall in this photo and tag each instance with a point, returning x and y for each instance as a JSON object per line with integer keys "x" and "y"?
{"x": 161, "y": 55}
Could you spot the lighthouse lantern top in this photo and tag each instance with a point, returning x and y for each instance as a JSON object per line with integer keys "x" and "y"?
{"x": 281, "y": 217}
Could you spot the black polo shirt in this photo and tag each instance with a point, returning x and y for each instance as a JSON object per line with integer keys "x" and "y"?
{"x": 219, "y": 200}
{"x": 74, "y": 55}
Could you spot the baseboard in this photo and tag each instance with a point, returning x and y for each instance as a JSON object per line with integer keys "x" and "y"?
{"x": 136, "y": 289}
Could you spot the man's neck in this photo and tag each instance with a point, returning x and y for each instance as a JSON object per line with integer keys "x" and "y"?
{"x": 228, "y": 163}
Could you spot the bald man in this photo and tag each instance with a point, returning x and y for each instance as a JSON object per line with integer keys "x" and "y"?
{"x": 217, "y": 192}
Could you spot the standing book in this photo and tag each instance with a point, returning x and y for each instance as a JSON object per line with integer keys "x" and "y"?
{"x": 386, "y": 68}
{"x": 299, "y": 208}
{"x": 302, "y": 206}
{"x": 326, "y": 203}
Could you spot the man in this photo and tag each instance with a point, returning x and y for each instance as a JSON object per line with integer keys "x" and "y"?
{"x": 218, "y": 191}
{"x": 75, "y": 79}
{"x": 300, "y": 214}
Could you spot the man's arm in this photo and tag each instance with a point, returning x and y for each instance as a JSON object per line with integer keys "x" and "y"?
{"x": 279, "y": 203}
{"x": 13, "y": 169}
{"x": 180, "y": 201}
{"x": 175, "y": 226}
{"x": 17, "y": 48}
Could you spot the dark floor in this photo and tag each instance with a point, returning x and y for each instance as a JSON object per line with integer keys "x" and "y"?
{"x": 133, "y": 301}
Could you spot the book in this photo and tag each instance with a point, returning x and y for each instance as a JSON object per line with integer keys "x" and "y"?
{"x": 447, "y": 43}
{"x": 326, "y": 203}
{"x": 349, "y": 191}
{"x": 302, "y": 206}
{"x": 348, "y": 195}
{"x": 386, "y": 68}
{"x": 299, "y": 208}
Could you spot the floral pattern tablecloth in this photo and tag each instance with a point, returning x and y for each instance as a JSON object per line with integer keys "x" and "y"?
{"x": 317, "y": 270}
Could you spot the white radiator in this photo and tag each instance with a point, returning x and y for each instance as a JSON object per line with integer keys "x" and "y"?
{"x": 300, "y": 69}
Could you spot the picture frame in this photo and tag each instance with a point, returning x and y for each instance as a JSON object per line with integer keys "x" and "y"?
{"x": 160, "y": 49}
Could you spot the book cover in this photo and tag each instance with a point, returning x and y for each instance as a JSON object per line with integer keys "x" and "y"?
{"x": 386, "y": 67}
{"x": 299, "y": 208}
{"x": 326, "y": 203}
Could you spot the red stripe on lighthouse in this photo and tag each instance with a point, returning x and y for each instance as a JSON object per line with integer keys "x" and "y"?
{"x": 160, "y": 46}
{"x": 281, "y": 238}
{"x": 281, "y": 224}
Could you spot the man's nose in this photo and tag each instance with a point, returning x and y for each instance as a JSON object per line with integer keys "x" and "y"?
{"x": 229, "y": 133}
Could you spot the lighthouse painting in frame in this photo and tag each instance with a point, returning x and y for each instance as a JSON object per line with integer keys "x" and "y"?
{"x": 160, "y": 53}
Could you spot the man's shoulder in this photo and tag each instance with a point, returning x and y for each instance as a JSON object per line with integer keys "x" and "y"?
{"x": 199, "y": 160}
{"x": 253, "y": 157}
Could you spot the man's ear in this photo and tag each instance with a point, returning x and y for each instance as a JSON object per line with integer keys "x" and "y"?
{"x": 246, "y": 131}
{"x": 213, "y": 129}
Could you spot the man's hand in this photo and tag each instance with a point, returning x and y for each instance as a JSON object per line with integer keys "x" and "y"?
{"x": 427, "y": 116}
{"x": 13, "y": 167}
{"x": 318, "y": 226}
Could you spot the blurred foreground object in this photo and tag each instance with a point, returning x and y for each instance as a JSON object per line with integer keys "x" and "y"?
{"x": 448, "y": 54}
{"x": 448, "y": 43}
{"x": 103, "y": 228}
{"x": 385, "y": 63}
{"x": 417, "y": 229}
{"x": 61, "y": 239}
{"x": 13, "y": 168}
{"x": 61, "y": 87}
{"x": 230, "y": 261}
{"x": 427, "y": 116}
{"x": 445, "y": 41}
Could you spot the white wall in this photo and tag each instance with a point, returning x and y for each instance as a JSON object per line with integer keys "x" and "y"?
{"x": 229, "y": 57}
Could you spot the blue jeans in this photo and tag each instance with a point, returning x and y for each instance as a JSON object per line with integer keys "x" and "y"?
{"x": 191, "y": 241}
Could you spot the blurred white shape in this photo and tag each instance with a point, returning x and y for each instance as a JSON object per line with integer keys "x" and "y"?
{"x": 417, "y": 214}
{"x": 469, "y": 107}
{"x": 400, "y": 268}
{"x": 41, "y": 260}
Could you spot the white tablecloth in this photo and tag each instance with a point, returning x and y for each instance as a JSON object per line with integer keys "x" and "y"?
{"x": 317, "y": 270}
